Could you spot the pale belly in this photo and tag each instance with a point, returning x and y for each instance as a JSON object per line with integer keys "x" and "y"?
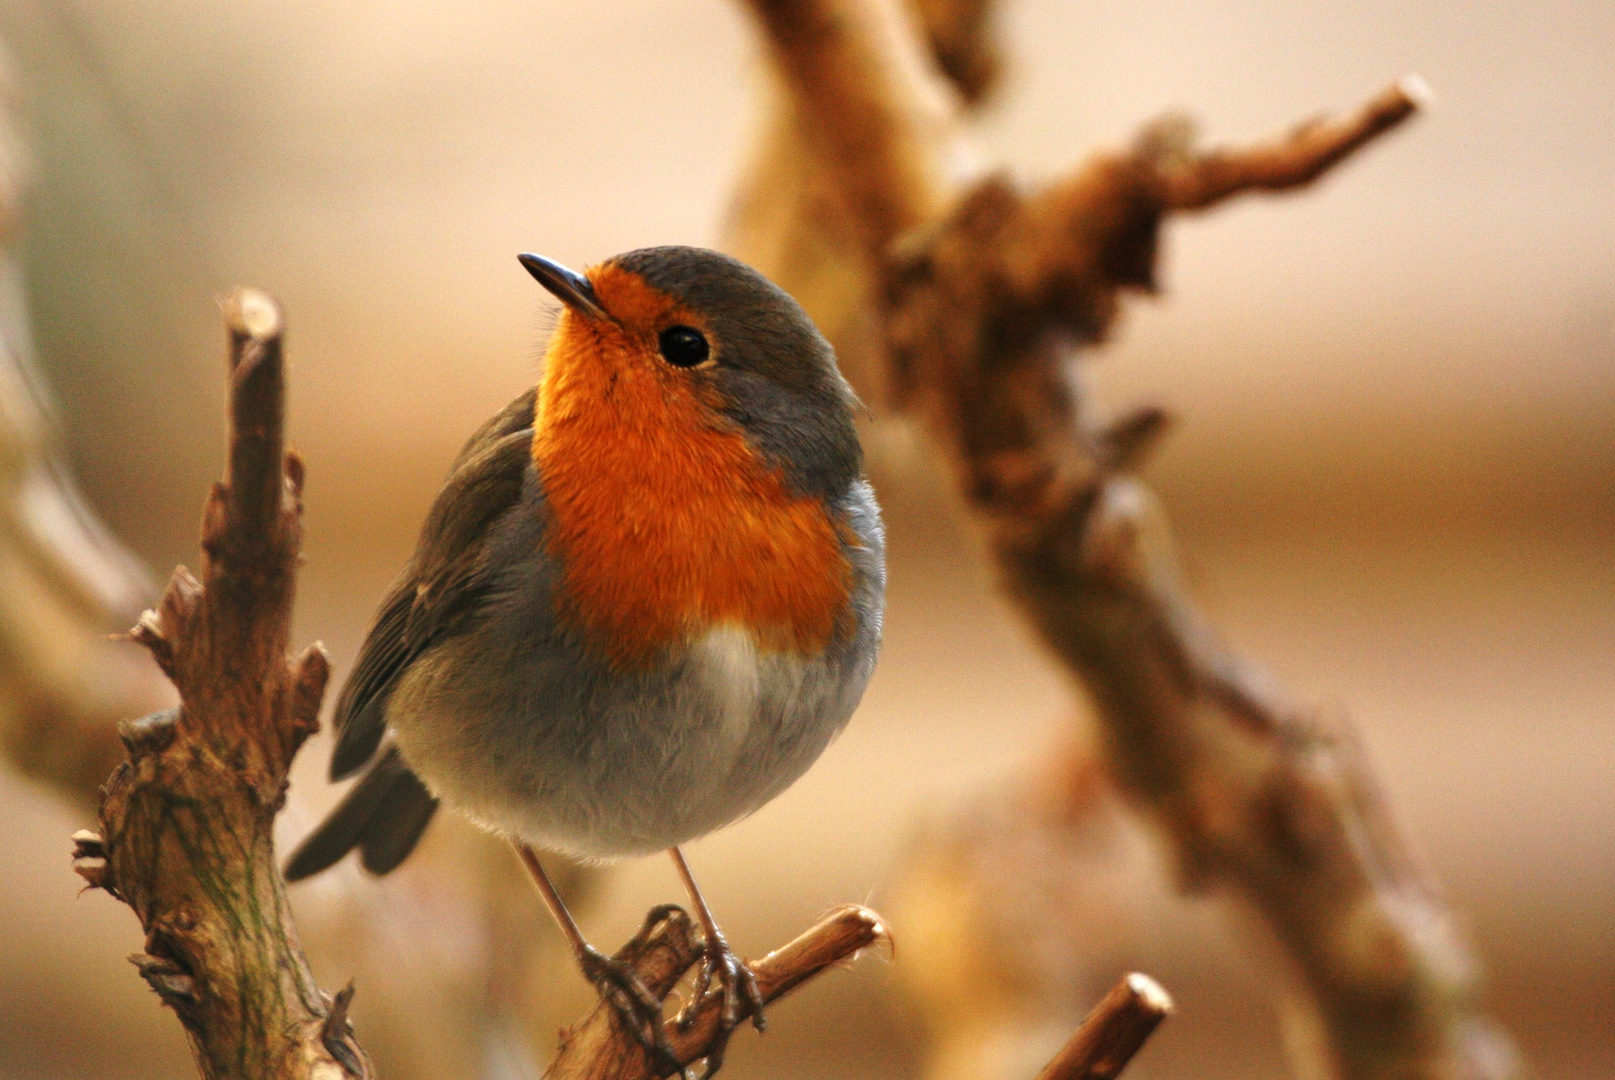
{"x": 554, "y": 750}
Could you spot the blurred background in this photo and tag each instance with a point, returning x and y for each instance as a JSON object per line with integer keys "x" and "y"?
{"x": 1393, "y": 479}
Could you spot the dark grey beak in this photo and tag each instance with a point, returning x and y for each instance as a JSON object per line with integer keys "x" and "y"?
{"x": 570, "y": 287}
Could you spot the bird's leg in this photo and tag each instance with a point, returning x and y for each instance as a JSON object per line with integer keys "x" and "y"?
{"x": 617, "y": 981}
{"x": 735, "y": 982}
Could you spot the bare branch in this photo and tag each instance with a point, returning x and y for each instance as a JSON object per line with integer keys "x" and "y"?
{"x": 1251, "y": 793}
{"x": 963, "y": 44}
{"x": 186, "y": 821}
{"x": 848, "y": 104}
{"x": 1294, "y": 160}
{"x": 1113, "y": 1032}
{"x": 600, "y": 1047}
{"x": 978, "y": 307}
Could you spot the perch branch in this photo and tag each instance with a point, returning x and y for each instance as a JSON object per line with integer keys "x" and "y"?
{"x": 978, "y": 308}
{"x": 600, "y": 1047}
{"x": 1113, "y": 1032}
{"x": 186, "y": 820}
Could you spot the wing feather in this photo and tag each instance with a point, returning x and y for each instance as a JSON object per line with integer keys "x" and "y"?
{"x": 447, "y": 574}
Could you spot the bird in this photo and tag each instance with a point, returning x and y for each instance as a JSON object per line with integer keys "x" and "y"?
{"x": 646, "y": 599}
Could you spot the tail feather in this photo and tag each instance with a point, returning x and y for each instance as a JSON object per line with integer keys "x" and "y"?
{"x": 384, "y": 816}
{"x": 397, "y": 825}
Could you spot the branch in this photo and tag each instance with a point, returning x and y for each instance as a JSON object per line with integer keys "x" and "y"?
{"x": 848, "y": 104}
{"x": 1250, "y": 792}
{"x": 186, "y": 821}
{"x": 1113, "y": 1032}
{"x": 978, "y": 307}
{"x": 1296, "y": 159}
{"x": 963, "y": 44}
{"x": 600, "y": 1047}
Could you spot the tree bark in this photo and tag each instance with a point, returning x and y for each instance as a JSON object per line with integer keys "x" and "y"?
{"x": 978, "y": 307}
{"x": 186, "y": 821}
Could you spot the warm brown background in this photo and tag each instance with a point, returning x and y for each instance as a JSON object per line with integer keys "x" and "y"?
{"x": 1394, "y": 479}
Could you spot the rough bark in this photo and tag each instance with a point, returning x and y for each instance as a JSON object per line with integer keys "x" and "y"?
{"x": 979, "y": 307}
{"x": 186, "y": 821}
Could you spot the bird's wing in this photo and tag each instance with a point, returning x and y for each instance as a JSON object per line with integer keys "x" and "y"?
{"x": 517, "y": 416}
{"x": 445, "y": 576}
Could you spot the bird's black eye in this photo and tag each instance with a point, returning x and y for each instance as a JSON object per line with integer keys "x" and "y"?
{"x": 684, "y": 347}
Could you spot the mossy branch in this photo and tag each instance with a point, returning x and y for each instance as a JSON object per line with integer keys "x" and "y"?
{"x": 186, "y": 821}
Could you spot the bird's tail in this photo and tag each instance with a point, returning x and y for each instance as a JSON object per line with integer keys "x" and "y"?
{"x": 383, "y": 816}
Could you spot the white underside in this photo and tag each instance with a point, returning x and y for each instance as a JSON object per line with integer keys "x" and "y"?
{"x": 727, "y": 662}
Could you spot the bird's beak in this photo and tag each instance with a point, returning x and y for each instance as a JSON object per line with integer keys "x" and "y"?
{"x": 570, "y": 287}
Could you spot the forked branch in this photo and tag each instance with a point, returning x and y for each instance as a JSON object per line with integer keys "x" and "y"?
{"x": 978, "y": 307}
{"x": 602, "y": 1048}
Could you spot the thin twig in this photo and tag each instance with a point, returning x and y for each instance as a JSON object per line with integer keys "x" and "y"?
{"x": 1113, "y": 1032}
{"x": 600, "y": 1047}
{"x": 1296, "y": 159}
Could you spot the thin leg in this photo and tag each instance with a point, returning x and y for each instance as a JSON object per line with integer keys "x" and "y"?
{"x": 735, "y": 981}
{"x": 617, "y": 982}
{"x": 552, "y": 900}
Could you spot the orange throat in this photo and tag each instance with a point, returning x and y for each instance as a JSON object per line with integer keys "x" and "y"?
{"x": 666, "y": 522}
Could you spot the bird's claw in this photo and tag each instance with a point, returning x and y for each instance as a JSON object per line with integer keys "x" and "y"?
{"x": 725, "y": 975}
{"x": 620, "y": 985}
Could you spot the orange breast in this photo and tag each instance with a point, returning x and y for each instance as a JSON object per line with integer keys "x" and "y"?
{"x": 664, "y": 518}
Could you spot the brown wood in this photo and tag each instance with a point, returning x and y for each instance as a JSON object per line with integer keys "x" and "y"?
{"x": 599, "y": 1048}
{"x": 979, "y": 307}
{"x": 186, "y": 820}
{"x": 1113, "y": 1032}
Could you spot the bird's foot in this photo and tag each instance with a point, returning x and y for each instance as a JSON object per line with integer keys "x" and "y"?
{"x": 620, "y": 986}
{"x": 723, "y": 975}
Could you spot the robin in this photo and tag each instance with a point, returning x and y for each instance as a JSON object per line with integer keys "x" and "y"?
{"x": 646, "y": 599}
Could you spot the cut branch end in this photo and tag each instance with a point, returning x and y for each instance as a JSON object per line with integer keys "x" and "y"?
{"x": 1113, "y": 1032}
